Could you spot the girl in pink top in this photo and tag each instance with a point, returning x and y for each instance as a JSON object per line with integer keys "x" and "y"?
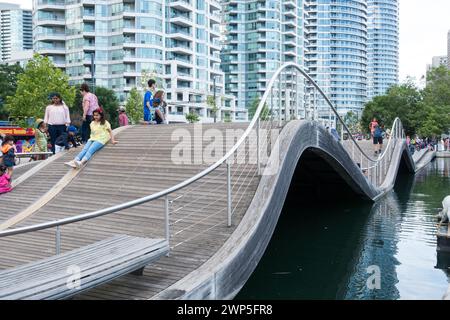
{"x": 5, "y": 181}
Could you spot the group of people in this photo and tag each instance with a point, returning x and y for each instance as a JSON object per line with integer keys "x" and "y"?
{"x": 57, "y": 130}
{"x": 155, "y": 108}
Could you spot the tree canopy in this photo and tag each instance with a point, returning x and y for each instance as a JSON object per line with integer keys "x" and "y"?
{"x": 134, "y": 106}
{"x": 425, "y": 112}
{"x": 107, "y": 99}
{"x": 39, "y": 79}
{"x": 8, "y": 85}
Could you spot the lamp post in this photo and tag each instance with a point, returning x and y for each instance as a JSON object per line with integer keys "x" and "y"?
{"x": 93, "y": 71}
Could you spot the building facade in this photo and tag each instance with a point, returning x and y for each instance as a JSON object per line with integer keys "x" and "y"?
{"x": 448, "y": 49}
{"x": 337, "y": 54}
{"x": 123, "y": 43}
{"x": 15, "y": 31}
{"x": 383, "y": 46}
{"x": 260, "y": 36}
{"x": 437, "y": 61}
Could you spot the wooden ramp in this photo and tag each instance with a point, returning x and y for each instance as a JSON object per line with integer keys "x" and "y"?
{"x": 141, "y": 164}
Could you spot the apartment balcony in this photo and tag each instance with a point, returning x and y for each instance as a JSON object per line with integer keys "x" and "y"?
{"x": 290, "y": 32}
{"x": 290, "y": 43}
{"x": 51, "y": 5}
{"x": 181, "y": 20}
{"x": 215, "y": 4}
{"x": 289, "y": 4}
{"x": 51, "y": 22}
{"x": 181, "y": 35}
{"x": 215, "y": 18}
{"x": 180, "y": 49}
{"x": 182, "y": 5}
{"x": 52, "y": 51}
{"x": 290, "y": 14}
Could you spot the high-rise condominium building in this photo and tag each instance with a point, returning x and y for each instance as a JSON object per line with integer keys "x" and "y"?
{"x": 337, "y": 53}
{"x": 383, "y": 46}
{"x": 448, "y": 49}
{"x": 260, "y": 36}
{"x": 15, "y": 30}
{"x": 175, "y": 41}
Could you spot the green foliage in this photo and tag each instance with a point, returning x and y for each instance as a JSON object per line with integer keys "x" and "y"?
{"x": 34, "y": 85}
{"x": 265, "y": 113}
{"x": 8, "y": 85}
{"x": 435, "y": 112}
{"x": 107, "y": 99}
{"x": 211, "y": 102}
{"x": 134, "y": 106}
{"x": 192, "y": 117}
{"x": 425, "y": 112}
{"x": 403, "y": 101}
{"x": 351, "y": 121}
{"x": 147, "y": 75}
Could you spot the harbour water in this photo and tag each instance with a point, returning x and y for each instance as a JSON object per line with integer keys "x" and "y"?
{"x": 357, "y": 250}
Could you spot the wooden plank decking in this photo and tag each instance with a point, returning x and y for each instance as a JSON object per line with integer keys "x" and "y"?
{"x": 138, "y": 166}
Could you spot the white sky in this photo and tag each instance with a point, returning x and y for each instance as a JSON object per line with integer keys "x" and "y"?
{"x": 423, "y": 33}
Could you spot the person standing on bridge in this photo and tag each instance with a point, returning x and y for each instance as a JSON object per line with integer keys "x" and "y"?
{"x": 90, "y": 103}
{"x": 148, "y": 101}
{"x": 372, "y": 126}
{"x": 378, "y": 139}
{"x": 101, "y": 133}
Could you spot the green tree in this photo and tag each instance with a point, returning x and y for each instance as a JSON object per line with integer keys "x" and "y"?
{"x": 211, "y": 102}
{"x": 134, "y": 106}
{"x": 192, "y": 117}
{"x": 403, "y": 101}
{"x": 8, "y": 85}
{"x": 351, "y": 121}
{"x": 265, "y": 113}
{"x": 39, "y": 79}
{"x": 107, "y": 99}
{"x": 434, "y": 117}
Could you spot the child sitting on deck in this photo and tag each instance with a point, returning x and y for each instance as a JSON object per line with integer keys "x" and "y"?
{"x": 5, "y": 180}
{"x": 9, "y": 154}
{"x": 101, "y": 133}
{"x": 68, "y": 136}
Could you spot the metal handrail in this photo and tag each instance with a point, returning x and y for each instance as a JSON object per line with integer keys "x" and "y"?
{"x": 166, "y": 192}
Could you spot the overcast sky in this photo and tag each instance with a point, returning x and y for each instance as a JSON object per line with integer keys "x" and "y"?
{"x": 423, "y": 33}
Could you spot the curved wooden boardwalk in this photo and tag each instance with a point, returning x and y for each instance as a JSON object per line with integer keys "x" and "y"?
{"x": 139, "y": 165}
{"x": 142, "y": 164}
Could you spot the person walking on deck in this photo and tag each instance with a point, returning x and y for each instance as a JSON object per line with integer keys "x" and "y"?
{"x": 90, "y": 103}
{"x": 377, "y": 139}
{"x": 101, "y": 133}
{"x": 372, "y": 126}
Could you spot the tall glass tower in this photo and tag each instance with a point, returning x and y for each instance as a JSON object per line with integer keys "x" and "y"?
{"x": 174, "y": 41}
{"x": 337, "y": 53}
{"x": 383, "y": 57}
{"x": 15, "y": 30}
{"x": 260, "y": 36}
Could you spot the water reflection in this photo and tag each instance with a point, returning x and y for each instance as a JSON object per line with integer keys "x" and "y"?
{"x": 323, "y": 251}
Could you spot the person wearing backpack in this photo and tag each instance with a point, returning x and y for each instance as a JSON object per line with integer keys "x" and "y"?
{"x": 377, "y": 139}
